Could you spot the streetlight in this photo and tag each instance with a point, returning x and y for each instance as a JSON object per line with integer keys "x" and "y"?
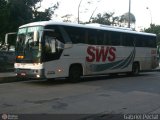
{"x": 129, "y": 12}
{"x": 150, "y": 13}
{"x": 78, "y": 10}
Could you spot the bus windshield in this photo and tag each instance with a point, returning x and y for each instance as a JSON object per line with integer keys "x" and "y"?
{"x": 28, "y": 45}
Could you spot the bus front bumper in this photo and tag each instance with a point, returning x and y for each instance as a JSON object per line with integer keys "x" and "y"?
{"x": 30, "y": 73}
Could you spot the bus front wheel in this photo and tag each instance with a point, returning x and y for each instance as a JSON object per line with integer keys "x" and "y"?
{"x": 75, "y": 74}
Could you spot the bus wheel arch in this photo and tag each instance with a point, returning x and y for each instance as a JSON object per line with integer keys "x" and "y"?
{"x": 75, "y": 72}
{"x": 135, "y": 68}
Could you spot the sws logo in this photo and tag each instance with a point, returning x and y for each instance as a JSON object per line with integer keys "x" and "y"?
{"x": 100, "y": 54}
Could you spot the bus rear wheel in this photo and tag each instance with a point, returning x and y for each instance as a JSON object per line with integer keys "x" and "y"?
{"x": 75, "y": 74}
{"x": 135, "y": 69}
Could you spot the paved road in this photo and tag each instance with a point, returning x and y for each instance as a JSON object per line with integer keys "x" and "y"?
{"x": 121, "y": 94}
{"x": 7, "y": 74}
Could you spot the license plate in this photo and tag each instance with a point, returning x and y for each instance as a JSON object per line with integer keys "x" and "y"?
{"x": 23, "y": 74}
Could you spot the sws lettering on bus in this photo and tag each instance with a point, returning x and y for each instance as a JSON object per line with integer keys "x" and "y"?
{"x": 101, "y": 54}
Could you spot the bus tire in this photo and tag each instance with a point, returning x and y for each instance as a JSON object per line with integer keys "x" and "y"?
{"x": 135, "y": 69}
{"x": 75, "y": 73}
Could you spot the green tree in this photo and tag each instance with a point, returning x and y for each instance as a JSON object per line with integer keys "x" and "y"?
{"x": 106, "y": 19}
{"x": 154, "y": 29}
{"x": 67, "y": 18}
{"x": 14, "y": 13}
{"x": 4, "y": 18}
{"x": 124, "y": 20}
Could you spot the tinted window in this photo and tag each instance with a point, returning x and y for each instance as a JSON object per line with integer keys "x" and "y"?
{"x": 92, "y": 37}
{"x": 152, "y": 42}
{"x": 50, "y": 40}
{"x": 57, "y": 33}
{"x": 128, "y": 40}
{"x": 77, "y": 35}
{"x": 115, "y": 38}
{"x": 107, "y": 40}
{"x": 96, "y": 37}
{"x": 145, "y": 41}
{"x": 100, "y": 37}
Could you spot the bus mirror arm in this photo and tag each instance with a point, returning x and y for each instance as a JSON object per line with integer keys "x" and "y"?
{"x": 68, "y": 45}
{"x": 36, "y": 35}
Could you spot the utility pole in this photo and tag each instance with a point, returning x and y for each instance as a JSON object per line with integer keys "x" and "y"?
{"x": 78, "y": 10}
{"x": 129, "y": 17}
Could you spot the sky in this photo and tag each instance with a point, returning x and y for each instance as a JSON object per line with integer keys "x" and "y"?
{"x": 144, "y": 17}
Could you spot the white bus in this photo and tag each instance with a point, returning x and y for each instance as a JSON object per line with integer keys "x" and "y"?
{"x": 54, "y": 50}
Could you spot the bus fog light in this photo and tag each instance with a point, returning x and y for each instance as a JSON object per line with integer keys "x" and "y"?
{"x": 59, "y": 70}
{"x": 38, "y": 76}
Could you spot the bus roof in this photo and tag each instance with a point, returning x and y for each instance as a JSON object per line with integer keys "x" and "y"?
{"x": 91, "y": 26}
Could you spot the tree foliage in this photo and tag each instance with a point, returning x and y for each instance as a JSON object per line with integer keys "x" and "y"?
{"x": 4, "y": 17}
{"x": 14, "y": 13}
{"x": 125, "y": 18}
{"x": 106, "y": 19}
{"x": 156, "y": 30}
{"x": 110, "y": 19}
{"x": 66, "y": 18}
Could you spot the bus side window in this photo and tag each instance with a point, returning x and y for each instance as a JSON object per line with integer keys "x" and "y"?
{"x": 57, "y": 33}
{"x": 77, "y": 35}
{"x": 50, "y": 50}
{"x": 48, "y": 42}
{"x": 138, "y": 41}
{"x": 115, "y": 38}
{"x": 145, "y": 41}
{"x": 107, "y": 40}
{"x": 152, "y": 42}
{"x": 128, "y": 40}
{"x": 100, "y": 37}
{"x": 92, "y": 37}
